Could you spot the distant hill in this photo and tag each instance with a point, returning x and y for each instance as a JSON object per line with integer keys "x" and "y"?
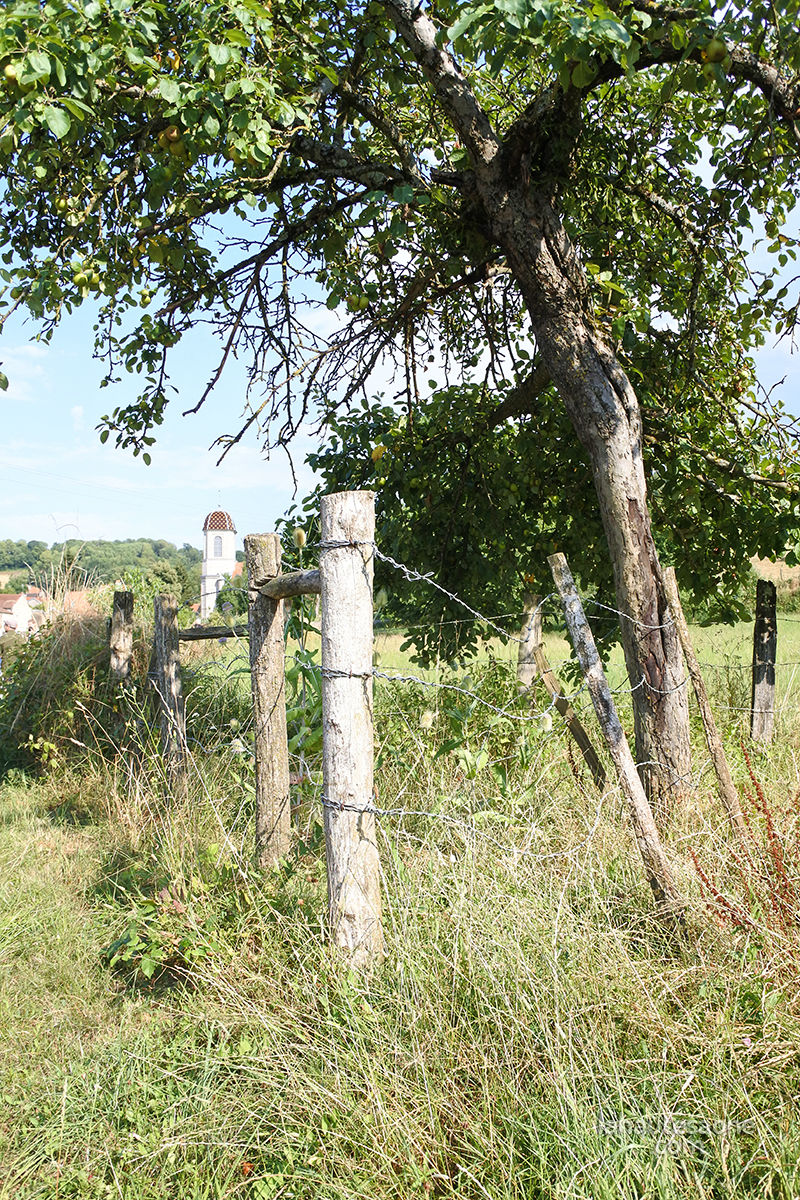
{"x": 104, "y": 561}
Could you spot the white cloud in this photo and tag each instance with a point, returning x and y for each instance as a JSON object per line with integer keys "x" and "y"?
{"x": 24, "y": 366}
{"x": 76, "y": 412}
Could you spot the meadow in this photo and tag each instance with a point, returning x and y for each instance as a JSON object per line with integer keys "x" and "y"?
{"x": 175, "y": 1025}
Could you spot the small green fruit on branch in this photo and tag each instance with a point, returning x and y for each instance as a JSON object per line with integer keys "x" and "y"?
{"x": 716, "y": 51}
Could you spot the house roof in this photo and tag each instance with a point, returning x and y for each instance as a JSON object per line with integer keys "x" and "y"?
{"x": 9, "y": 599}
{"x": 219, "y": 520}
{"x": 79, "y": 602}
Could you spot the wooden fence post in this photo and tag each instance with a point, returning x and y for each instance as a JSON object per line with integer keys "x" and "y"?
{"x": 346, "y": 570}
{"x": 530, "y": 639}
{"x": 120, "y": 640}
{"x": 659, "y": 875}
{"x": 166, "y": 680}
{"x": 765, "y": 646}
{"x": 268, "y": 682}
{"x": 531, "y": 660}
{"x": 725, "y": 785}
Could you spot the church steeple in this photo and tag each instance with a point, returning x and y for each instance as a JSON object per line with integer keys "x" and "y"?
{"x": 219, "y": 557}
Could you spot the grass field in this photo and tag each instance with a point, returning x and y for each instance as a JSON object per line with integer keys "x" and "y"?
{"x": 532, "y": 1032}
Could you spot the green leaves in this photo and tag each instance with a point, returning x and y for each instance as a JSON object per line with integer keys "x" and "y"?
{"x": 467, "y": 19}
{"x": 39, "y": 64}
{"x": 57, "y": 120}
{"x": 169, "y": 90}
{"x": 221, "y": 54}
{"x": 166, "y": 149}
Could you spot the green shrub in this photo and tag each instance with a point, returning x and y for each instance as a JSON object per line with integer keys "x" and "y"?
{"x": 788, "y": 597}
{"x": 56, "y": 698}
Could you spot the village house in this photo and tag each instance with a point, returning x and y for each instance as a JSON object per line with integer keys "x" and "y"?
{"x": 16, "y": 614}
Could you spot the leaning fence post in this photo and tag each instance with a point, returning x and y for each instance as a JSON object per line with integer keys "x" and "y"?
{"x": 725, "y": 785}
{"x": 531, "y": 659}
{"x": 267, "y": 678}
{"x": 657, "y": 869}
{"x": 166, "y": 680}
{"x": 120, "y": 640}
{"x": 765, "y": 646}
{"x": 346, "y": 569}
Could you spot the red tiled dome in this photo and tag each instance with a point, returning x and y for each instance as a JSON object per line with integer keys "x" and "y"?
{"x": 219, "y": 520}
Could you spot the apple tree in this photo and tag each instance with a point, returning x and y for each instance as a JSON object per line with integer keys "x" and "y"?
{"x": 554, "y": 201}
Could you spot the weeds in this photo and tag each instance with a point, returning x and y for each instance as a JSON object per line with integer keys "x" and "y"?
{"x": 762, "y": 896}
{"x": 177, "y": 1025}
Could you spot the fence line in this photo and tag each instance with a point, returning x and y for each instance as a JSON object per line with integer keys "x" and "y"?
{"x": 239, "y": 632}
{"x": 347, "y": 798}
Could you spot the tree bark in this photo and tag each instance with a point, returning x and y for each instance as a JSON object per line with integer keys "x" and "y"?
{"x": 121, "y": 637}
{"x": 513, "y": 187}
{"x": 268, "y": 683}
{"x": 527, "y": 669}
{"x": 347, "y": 525}
{"x": 166, "y": 681}
{"x": 765, "y": 648}
{"x": 669, "y": 899}
{"x": 604, "y": 412}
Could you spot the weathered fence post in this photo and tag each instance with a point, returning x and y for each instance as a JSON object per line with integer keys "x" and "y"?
{"x": 659, "y": 875}
{"x": 267, "y": 678}
{"x": 531, "y": 660}
{"x": 166, "y": 680}
{"x": 765, "y": 646}
{"x": 120, "y": 640}
{"x": 725, "y": 785}
{"x": 530, "y": 639}
{"x": 346, "y": 570}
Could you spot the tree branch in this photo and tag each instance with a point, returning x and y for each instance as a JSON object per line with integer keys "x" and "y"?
{"x": 518, "y": 400}
{"x": 449, "y": 82}
{"x": 781, "y": 92}
{"x": 343, "y": 164}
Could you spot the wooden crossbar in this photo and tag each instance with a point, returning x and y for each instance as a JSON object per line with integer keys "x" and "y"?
{"x": 201, "y": 632}
{"x": 296, "y": 583}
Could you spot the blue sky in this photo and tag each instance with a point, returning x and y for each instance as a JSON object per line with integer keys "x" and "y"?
{"x": 59, "y": 481}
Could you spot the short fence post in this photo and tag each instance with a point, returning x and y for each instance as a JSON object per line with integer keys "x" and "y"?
{"x": 268, "y": 682}
{"x": 120, "y": 640}
{"x": 530, "y": 639}
{"x": 668, "y": 898}
{"x": 725, "y": 785}
{"x": 346, "y": 571}
{"x": 765, "y": 647}
{"x": 166, "y": 681}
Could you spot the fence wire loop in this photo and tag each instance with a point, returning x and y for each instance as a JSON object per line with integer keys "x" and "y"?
{"x": 335, "y": 673}
{"x": 345, "y": 545}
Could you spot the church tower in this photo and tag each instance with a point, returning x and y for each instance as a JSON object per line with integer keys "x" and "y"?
{"x": 219, "y": 558}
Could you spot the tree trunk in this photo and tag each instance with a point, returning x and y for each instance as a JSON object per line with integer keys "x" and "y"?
{"x": 604, "y": 411}
{"x": 511, "y": 187}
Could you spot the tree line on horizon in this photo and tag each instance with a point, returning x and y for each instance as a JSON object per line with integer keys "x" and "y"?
{"x": 103, "y": 562}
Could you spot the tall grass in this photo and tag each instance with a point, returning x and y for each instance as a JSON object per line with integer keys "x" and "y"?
{"x": 531, "y": 1032}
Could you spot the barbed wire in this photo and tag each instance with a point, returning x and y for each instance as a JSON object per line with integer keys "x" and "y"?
{"x": 517, "y": 616}
{"x": 416, "y": 576}
{"x": 468, "y": 818}
{"x": 670, "y": 624}
{"x": 533, "y": 715}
